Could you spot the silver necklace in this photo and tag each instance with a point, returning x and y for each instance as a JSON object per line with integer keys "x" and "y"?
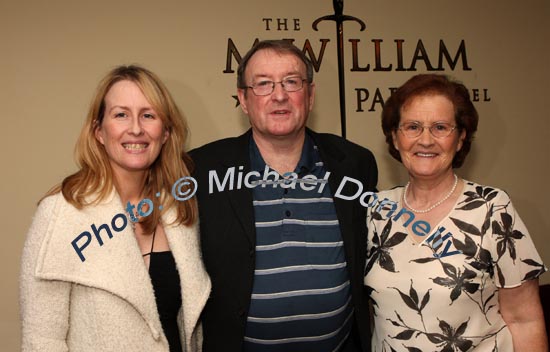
{"x": 433, "y": 206}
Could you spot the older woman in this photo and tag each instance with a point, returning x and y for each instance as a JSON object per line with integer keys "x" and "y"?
{"x": 112, "y": 260}
{"x": 450, "y": 265}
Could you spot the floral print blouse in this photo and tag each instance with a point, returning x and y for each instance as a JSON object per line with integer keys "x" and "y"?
{"x": 442, "y": 294}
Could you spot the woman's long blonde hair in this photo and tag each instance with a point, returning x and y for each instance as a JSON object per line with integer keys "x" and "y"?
{"x": 95, "y": 181}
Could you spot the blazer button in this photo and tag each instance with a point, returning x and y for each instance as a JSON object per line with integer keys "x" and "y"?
{"x": 242, "y": 312}
{"x": 251, "y": 253}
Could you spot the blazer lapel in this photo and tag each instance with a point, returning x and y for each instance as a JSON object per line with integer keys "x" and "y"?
{"x": 113, "y": 264}
{"x": 241, "y": 199}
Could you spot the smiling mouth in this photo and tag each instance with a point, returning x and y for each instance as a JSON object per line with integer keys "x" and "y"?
{"x": 135, "y": 146}
{"x": 426, "y": 155}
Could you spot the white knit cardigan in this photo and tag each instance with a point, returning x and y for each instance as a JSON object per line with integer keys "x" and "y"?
{"x": 107, "y": 302}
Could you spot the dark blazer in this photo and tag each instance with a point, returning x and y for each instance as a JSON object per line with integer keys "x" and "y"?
{"x": 228, "y": 234}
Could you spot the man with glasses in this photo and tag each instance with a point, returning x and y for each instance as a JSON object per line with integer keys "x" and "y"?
{"x": 286, "y": 259}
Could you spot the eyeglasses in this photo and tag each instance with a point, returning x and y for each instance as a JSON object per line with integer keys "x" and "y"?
{"x": 290, "y": 84}
{"x": 438, "y": 130}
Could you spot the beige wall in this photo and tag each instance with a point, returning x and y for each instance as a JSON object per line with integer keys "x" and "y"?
{"x": 54, "y": 52}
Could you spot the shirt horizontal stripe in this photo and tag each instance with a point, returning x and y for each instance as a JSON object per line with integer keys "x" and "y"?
{"x": 299, "y": 339}
{"x": 320, "y": 291}
{"x": 301, "y": 280}
{"x": 287, "y": 182}
{"x": 300, "y": 316}
{"x": 299, "y": 244}
{"x": 306, "y": 304}
{"x": 297, "y": 222}
{"x": 292, "y": 200}
{"x": 299, "y": 268}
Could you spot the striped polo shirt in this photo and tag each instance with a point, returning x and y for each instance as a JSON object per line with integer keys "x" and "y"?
{"x": 301, "y": 297}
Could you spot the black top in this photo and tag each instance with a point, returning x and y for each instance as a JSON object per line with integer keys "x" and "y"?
{"x": 166, "y": 283}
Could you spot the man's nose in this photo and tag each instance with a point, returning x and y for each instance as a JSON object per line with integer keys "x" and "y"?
{"x": 279, "y": 93}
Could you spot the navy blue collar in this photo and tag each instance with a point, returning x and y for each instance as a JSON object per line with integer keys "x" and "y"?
{"x": 309, "y": 158}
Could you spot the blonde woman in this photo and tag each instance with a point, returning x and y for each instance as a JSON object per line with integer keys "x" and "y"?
{"x": 112, "y": 259}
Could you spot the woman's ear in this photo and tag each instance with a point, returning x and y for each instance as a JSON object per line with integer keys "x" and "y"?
{"x": 97, "y": 132}
{"x": 394, "y": 140}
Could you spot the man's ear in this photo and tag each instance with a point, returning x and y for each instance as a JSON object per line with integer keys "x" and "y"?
{"x": 241, "y": 94}
{"x": 311, "y": 95}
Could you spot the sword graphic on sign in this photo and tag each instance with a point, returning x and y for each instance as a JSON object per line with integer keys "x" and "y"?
{"x": 340, "y": 18}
